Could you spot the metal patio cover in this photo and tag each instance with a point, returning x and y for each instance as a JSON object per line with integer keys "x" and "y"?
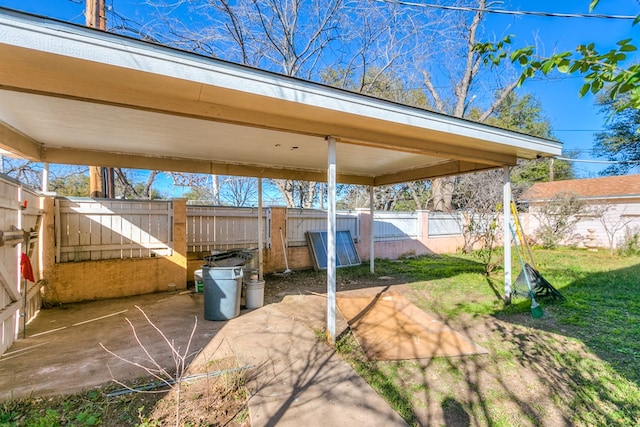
{"x": 75, "y": 95}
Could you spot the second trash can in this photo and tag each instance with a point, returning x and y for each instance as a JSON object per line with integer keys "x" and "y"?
{"x": 222, "y": 288}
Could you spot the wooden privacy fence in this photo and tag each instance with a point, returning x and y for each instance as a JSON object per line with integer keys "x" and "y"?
{"x": 19, "y": 229}
{"x": 91, "y": 230}
{"x": 299, "y": 221}
{"x": 222, "y": 228}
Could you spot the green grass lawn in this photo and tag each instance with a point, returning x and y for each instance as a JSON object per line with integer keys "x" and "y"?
{"x": 580, "y": 361}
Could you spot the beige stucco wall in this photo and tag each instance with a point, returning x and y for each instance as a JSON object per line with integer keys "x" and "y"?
{"x": 91, "y": 280}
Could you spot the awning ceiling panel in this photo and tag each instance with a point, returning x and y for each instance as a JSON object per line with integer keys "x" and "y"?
{"x": 71, "y": 94}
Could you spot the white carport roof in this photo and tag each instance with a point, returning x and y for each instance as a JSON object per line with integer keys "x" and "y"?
{"x": 75, "y": 95}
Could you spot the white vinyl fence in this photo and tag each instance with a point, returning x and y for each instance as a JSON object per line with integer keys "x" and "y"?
{"x": 445, "y": 224}
{"x": 90, "y": 230}
{"x": 389, "y": 226}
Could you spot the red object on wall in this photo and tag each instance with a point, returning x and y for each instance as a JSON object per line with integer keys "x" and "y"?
{"x": 25, "y": 268}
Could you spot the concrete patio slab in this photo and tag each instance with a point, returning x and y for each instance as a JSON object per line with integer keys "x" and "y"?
{"x": 295, "y": 379}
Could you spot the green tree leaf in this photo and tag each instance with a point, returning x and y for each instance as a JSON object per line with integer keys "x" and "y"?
{"x": 584, "y": 89}
{"x": 564, "y": 66}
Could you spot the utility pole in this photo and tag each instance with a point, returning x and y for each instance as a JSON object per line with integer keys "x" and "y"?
{"x": 551, "y": 176}
{"x": 95, "y": 14}
{"x": 98, "y": 178}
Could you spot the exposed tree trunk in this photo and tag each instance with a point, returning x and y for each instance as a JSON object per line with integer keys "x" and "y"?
{"x": 444, "y": 188}
{"x": 215, "y": 189}
{"x": 96, "y": 182}
{"x": 417, "y": 190}
{"x": 286, "y": 187}
{"x": 146, "y": 191}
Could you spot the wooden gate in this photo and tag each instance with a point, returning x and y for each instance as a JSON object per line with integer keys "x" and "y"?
{"x": 19, "y": 225}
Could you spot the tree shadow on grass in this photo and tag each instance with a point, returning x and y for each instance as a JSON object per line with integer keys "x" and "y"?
{"x": 601, "y": 318}
{"x": 542, "y": 370}
{"x": 454, "y": 413}
{"x": 603, "y": 311}
{"x": 557, "y": 359}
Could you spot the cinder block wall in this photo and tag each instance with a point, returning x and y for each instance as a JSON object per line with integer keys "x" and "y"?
{"x": 92, "y": 280}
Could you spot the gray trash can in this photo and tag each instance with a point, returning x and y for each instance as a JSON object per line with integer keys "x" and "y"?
{"x": 222, "y": 288}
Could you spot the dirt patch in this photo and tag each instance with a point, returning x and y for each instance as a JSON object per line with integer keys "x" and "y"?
{"x": 277, "y": 286}
{"x": 219, "y": 400}
{"x": 389, "y": 327}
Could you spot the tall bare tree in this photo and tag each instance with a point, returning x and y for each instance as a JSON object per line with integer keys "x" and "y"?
{"x": 366, "y": 43}
{"x": 218, "y": 189}
{"x": 287, "y": 36}
{"x": 130, "y": 185}
{"x": 437, "y": 66}
{"x": 467, "y": 82}
{"x": 408, "y": 53}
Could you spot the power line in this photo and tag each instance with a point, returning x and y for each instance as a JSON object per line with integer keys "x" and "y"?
{"x": 604, "y": 162}
{"x": 578, "y": 130}
{"x": 580, "y": 150}
{"x": 510, "y": 12}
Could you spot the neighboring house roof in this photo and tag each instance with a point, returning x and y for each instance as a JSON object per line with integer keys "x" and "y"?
{"x": 610, "y": 187}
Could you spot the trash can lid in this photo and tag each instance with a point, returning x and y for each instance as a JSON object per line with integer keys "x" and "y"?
{"x": 231, "y": 258}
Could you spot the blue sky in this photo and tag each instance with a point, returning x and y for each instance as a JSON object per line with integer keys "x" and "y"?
{"x": 573, "y": 119}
